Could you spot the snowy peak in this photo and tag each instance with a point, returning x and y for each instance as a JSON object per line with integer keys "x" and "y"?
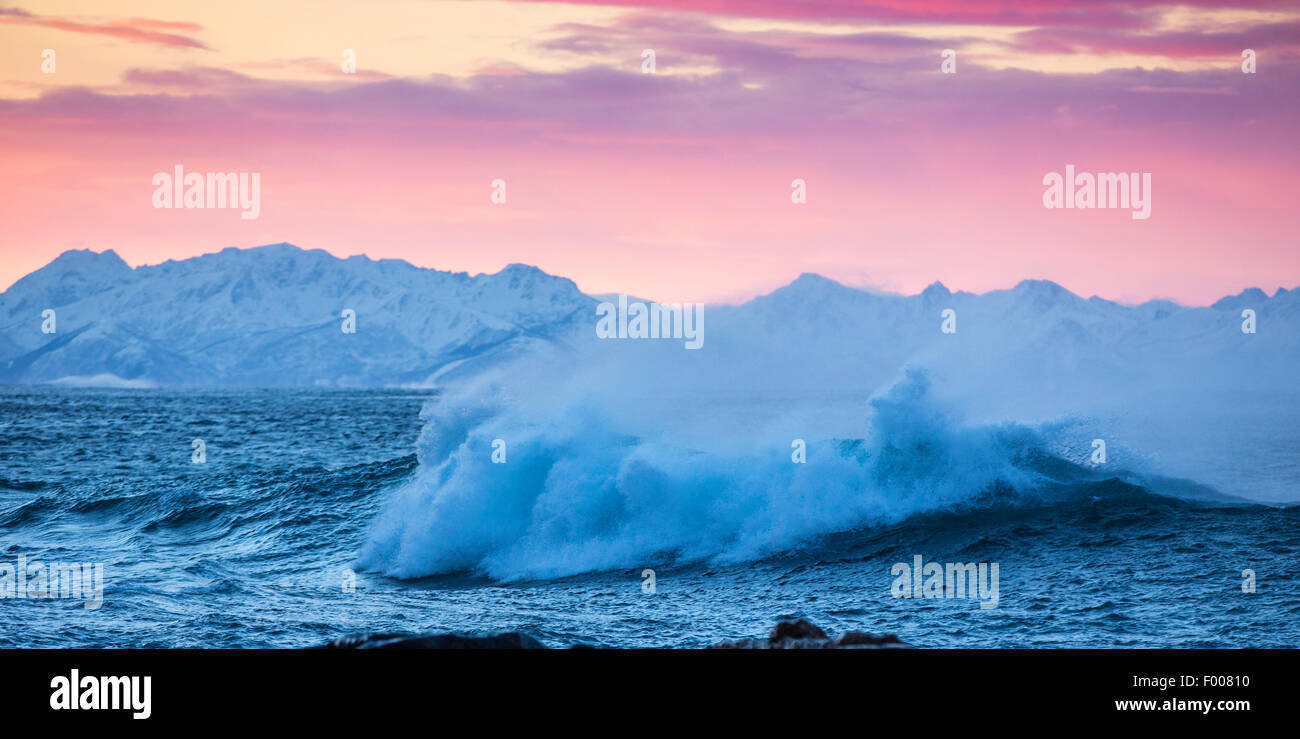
{"x": 85, "y": 259}
{"x": 72, "y": 275}
{"x": 274, "y": 315}
{"x": 1251, "y": 296}
{"x": 531, "y": 282}
{"x": 1044, "y": 292}
{"x": 807, "y": 298}
{"x": 79, "y": 265}
{"x": 935, "y": 291}
{"x": 812, "y": 282}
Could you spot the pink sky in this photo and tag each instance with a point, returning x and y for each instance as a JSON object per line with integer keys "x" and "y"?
{"x": 676, "y": 185}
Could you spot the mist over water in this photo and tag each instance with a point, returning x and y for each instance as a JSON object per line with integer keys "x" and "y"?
{"x": 620, "y": 452}
{"x": 582, "y": 490}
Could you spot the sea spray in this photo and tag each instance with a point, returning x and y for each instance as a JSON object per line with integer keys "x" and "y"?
{"x": 584, "y": 492}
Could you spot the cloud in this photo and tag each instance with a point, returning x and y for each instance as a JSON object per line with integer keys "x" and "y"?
{"x": 1176, "y": 45}
{"x": 191, "y": 80}
{"x": 736, "y": 84}
{"x": 1084, "y": 13}
{"x": 133, "y": 30}
{"x": 204, "y": 80}
{"x": 311, "y": 67}
{"x": 758, "y": 90}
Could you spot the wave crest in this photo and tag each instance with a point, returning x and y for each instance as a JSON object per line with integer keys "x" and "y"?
{"x": 579, "y": 493}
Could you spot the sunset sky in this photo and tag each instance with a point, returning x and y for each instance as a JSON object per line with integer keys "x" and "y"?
{"x": 674, "y": 185}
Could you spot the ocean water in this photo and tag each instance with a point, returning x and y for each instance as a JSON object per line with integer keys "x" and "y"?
{"x": 395, "y": 493}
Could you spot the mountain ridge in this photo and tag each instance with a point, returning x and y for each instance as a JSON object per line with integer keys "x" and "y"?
{"x": 935, "y": 288}
{"x": 273, "y": 315}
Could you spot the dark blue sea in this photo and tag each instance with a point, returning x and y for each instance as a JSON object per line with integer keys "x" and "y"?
{"x": 316, "y": 514}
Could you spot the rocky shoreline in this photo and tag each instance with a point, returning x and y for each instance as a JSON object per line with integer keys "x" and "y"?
{"x": 799, "y": 634}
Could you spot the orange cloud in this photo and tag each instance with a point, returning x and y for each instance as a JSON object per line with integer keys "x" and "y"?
{"x": 133, "y": 30}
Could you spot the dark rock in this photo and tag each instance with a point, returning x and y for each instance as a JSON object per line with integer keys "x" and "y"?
{"x": 802, "y": 634}
{"x": 508, "y": 640}
{"x": 795, "y": 630}
{"x": 799, "y": 634}
{"x": 859, "y": 639}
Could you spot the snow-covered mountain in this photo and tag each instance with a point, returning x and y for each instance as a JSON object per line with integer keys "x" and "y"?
{"x": 272, "y": 316}
{"x": 1033, "y": 343}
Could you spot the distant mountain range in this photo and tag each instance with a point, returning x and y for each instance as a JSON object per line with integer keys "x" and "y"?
{"x": 272, "y": 316}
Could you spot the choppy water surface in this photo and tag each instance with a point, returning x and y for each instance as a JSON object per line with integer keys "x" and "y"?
{"x": 250, "y": 549}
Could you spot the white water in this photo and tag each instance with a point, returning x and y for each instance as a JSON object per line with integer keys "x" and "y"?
{"x": 618, "y": 450}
